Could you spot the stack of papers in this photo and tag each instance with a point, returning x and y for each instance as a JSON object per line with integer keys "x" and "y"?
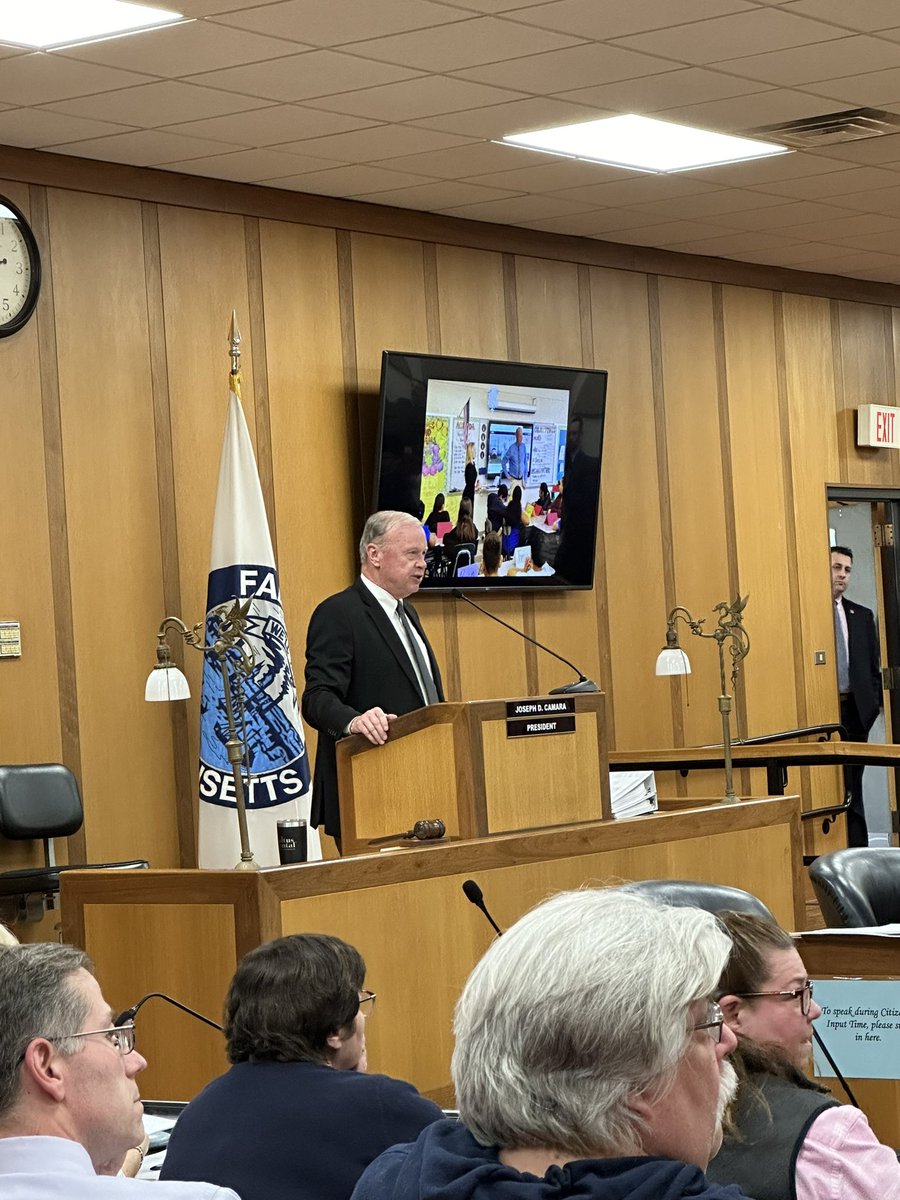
{"x": 633, "y": 793}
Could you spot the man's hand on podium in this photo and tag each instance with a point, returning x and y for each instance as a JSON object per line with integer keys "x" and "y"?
{"x": 374, "y": 725}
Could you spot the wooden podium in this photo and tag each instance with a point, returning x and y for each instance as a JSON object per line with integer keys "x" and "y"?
{"x": 457, "y": 762}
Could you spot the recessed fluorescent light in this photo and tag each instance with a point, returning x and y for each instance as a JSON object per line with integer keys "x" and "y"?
{"x": 53, "y": 23}
{"x": 644, "y": 144}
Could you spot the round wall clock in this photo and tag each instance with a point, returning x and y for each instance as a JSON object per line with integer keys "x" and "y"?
{"x": 20, "y": 269}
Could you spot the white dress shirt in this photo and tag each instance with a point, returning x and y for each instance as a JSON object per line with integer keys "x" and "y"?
{"x": 54, "y": 1168}
{"x": 389, "y": 604}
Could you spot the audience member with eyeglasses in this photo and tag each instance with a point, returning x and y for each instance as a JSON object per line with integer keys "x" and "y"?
{"x": 69, "y": 1104}
{"x": 589, "y": 1062}
{"x": 296, "y": 1117}
{"x": 788, "y": 1139}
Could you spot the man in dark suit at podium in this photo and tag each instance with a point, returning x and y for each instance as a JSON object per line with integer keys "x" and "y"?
{"x": 859, "y": 681}
{"x": 367, "y": 657}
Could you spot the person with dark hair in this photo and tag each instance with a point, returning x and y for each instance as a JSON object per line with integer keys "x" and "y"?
{"x": 544, "y": 498}
{"x": 496, "y": 507}
{"x": 438, "y": 514}
{"x": 491, "y": 555}
{"x": 464, "y": 532}
{"x": 859, "y": 681}
{"x": 70, "y": 1109}
{"x": 296, "y": 1117}
{"x": 787, "y": 1139}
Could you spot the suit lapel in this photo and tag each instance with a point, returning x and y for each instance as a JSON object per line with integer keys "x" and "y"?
{"x": 389, "y": 633}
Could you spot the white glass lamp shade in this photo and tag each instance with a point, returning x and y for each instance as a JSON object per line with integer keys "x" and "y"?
{"x": 167, "y": 683}
{"x": 673, "y": 661}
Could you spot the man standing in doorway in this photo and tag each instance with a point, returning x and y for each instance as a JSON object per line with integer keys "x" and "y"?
{"x": 859, "y": 680}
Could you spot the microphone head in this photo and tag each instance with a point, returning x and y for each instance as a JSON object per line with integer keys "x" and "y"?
{"x": 456, "y": 594}
{"x": 473, "y": 892}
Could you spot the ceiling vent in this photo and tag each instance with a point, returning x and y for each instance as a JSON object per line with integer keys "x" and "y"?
{"x": 830, "y": 129}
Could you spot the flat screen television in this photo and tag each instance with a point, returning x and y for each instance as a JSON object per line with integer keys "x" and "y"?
{"x": 517, "y": 444}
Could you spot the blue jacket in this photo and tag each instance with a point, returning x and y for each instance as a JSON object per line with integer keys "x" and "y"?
{"x": 292, "y": 1131}
{"x": 447, "y": 1162}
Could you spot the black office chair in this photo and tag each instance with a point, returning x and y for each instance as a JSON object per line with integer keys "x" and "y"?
{"x": 711, "y": 897}
{"x": 40, "y": 801}
{"x": 462, "y": 556}
{"x": 858, "y": 887}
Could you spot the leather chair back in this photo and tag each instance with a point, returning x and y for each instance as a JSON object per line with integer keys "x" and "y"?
{"x": 712, "y": 897}
{"x": 858, "y": 887}
{"x": 39, "y": 800}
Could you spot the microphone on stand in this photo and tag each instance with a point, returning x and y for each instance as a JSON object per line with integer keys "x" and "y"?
{"x": 130, "y": 1013}
{"x": 475, "y": 895}
{"x": 583, "y": 684}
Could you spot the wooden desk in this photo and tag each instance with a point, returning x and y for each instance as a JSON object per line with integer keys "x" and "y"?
{"x": 827, "y": 956}
{"x": 182, "y": 932}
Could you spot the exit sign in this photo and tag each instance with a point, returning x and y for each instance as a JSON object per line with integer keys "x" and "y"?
{"x": 878, "y": 426}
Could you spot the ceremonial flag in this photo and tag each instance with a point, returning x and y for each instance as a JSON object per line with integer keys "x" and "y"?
{"x": 276, "y": 768}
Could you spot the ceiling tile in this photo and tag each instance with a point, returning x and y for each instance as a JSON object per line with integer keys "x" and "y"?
{"x": 563, "y": 70}
{"x": 36, "y": 127}
{"x": 515, "y": 210}
{"x": 356, "y": 179}
{"x": 210, "y": 8}
{"x": 440, "y": 194}
{"x": 595, "y": 224}
{"x": 836, "y": 184}
{"x": 759, "y": 31}
{"x": 603, "y": 20}
{"x": 152, "y": 104}
{"x": 735, "y": 243}
{"x": 516, "y": 116}
{"x": 555, "y": 174}
{"x": 339, "y": 21}
{"x": 272, "y": 126}
{"x": 471, "y": 43}
{"x": 464, "y": 161}
{"x": 882, "y": 200}
{"x": 791, "y": 255}
{"x": 710, "y": 204}
{"x": 42, "y": 78}
{"x": 862, "y": 223}
{"x": 668, "y": 233}
{"x": 636, "y": 189}
{"x": 812, "y": 64}
{"x": 650, "y": 93}
{"x": 880, "y": 243}
{"x": 511, "y": 7}
{"x": 143, "y": 147}
{"x": 873, "y": 89}
{"x": 782, "y": 216}
{"x": 765, "y": 170}
{"x": 745, "y": 113}
{"x": 248, "y": 166}
{"x": 415, "y": 98}
{"x": 865, "y": 16}
{"x": 382, "y": 142}
{"x": 868, "y": 152}
{"x": 181, "y": 49}
{"x": 302, "y": 76}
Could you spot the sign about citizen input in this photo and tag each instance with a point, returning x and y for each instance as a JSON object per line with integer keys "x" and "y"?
{"x": 860, "y": 1025}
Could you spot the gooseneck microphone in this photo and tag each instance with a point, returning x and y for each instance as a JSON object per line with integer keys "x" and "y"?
{"x": 130, "y": 1013}
{"x": 474, "y": 895}
{"x": 583, "y": 684}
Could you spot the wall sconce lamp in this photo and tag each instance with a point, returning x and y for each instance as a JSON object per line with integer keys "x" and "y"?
{"x": 729, "y": 628}
{"x": 235, "y": 663}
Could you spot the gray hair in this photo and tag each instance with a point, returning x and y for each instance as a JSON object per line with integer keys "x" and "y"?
{"x": 379, "y": 525}
{"x": 37, "y": 999}
{"x": 582, "y": 1004}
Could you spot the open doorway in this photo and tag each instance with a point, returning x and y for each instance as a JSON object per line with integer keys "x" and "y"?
{"x": 857, "y": 519}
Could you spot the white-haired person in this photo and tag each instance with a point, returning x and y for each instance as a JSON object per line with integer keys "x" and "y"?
{"x": 589, "y": 1063}
{"x": 787, "y": 1138}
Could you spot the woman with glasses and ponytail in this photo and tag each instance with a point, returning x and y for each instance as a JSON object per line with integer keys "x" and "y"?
{"x": 787, "y": 1138}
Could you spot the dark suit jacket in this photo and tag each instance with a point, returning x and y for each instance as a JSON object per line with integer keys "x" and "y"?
{"x": 354, "y": 661}
{"x": 865, "y": 662}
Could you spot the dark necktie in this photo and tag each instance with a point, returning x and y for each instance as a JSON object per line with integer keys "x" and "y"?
{"x": 430, "y": 693}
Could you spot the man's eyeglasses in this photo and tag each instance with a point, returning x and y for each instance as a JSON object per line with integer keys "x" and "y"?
{"x": 712, "y": 1022}
{"x": 367, "y": 998}
{"x": 803, "y": 994}
{"x": 120, "y": 1036}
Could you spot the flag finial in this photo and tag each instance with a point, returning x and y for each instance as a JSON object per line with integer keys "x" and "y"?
{"x": 235, "y": 337}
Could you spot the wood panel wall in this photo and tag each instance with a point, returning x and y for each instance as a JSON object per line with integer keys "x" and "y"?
{"x": 730, "y": 410}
